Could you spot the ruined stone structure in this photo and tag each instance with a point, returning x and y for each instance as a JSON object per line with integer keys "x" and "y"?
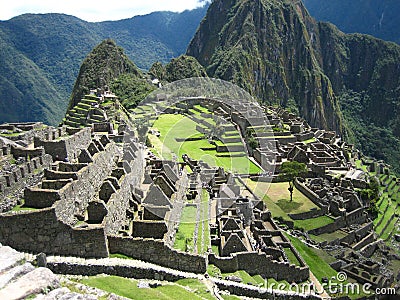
{"x": 95, "y": 191}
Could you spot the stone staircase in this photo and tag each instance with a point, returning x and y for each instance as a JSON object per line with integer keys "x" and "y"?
{"x": 86, "y": 112}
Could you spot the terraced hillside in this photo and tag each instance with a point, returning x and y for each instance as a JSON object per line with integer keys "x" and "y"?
{"x": 195, "y": 134}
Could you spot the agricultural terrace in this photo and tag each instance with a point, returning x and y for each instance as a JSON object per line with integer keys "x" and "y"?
{"x": 178, "y": 136}
{"x": 387, "y": 222}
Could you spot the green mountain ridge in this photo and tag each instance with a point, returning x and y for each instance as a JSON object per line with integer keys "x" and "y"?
{"x": 55, "y": 45}
{"x": 280, "y": 54}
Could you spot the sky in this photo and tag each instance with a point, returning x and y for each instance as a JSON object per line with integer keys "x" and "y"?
{"x": 94, "y": 10}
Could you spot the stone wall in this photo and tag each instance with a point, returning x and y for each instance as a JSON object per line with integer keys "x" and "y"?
{"x": 18, "y": 177}
{"x": 369, "y": 249}
{"x": 26, "y": 153}
{"x": 37, "y": 130}
{"x": 66, "y": 147}
{"x": 304, "y": 136}
{"x": 118, "y": 203}
{"x": 74, "y": 197}
{"x": 364, "y": 230}
{"x": 149, "y": 229}
{"x": 364, "y": 242}
{"x": 41, "y": 231}
{"x": 310, "y": 214}
{"x": 259, "y": 263}
{"x": 126, "y": 271}
{"x": 155, "y": 251}
{"x": 308, "y": 193}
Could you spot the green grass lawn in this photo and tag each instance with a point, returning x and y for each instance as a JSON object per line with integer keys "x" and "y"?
{"x": 204, "y": 238}
{"x": 318, "y": 261}
{"x": 310, "y": 141}
{"x": 181, "y": 127}
{"x": 385, "y": 217}
{"x": 318, "y": 266}
{"x": 184, "y": 236}
{"x": 202, "y": 109}
{"x": 277, "y": 198}
{"x": 310, "y": 224}
{"x": 182, "y": 289}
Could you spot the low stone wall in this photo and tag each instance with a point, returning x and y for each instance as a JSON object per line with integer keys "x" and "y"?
{"x": 363, "y": 231}
{"x": 259, "y": 263}
{"x": 301, "y": 137}
{"x": 310, "y": 214}
{"x": 348, "y": 239}
{"x": 41, "y": 231}
{"x": 369, "y": 249}
{"x": 356, "y": 217}
{"x": 40, "y": 198}
{"x": 125, "y": 271}
{"x": 230, "y": 148}
{"x": 27, "y": 153}
{"x": 365, "y": 241}
{"x": 308, "y": 193}
{"x": 37, "y": 130}
{"x": 155, "y": 251}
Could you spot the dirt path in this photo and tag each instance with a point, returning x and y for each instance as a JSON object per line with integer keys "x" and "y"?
{"x": 319, "y": 287}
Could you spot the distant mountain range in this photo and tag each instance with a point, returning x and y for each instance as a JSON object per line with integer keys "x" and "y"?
{"x": 40, "y": 55}
{"x": 379, "y": 18}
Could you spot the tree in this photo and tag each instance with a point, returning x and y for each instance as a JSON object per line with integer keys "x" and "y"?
{"x": 289, "y": 171}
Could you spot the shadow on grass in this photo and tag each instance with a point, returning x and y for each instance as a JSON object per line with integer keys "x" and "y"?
{"x": 288, "y": 206}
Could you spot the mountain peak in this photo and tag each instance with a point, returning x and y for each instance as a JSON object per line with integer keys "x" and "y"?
{"x": 267, "y": 47}
{"x": 104, "y": 64}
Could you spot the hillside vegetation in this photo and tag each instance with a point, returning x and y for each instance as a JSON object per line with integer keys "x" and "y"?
{"x": 42, "y": 54}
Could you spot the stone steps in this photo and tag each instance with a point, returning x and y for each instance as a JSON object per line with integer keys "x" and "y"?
{"x": 72, "y": 124}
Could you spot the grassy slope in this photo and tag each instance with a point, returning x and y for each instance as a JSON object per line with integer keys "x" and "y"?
{"x": 183, "y": 289}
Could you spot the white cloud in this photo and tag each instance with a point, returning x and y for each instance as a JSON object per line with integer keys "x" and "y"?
{"x": 94, "y": 10}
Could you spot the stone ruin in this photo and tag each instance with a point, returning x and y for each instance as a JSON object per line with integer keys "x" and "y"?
{"x": 95, "y": 191}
